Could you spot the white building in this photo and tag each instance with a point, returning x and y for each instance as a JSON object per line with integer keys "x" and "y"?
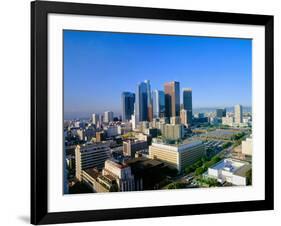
{"x": 89, "y": 156}
{"x": 122, "y": 174}
{"x": 108, "y": 117}
{"x": 95, "y": 119}
{"x": 228, "y": 121}
{"x": 177, "y": 156}
{"x": 134, "y": 122}
{"x": 229, "y": 170}
{"x": 238, "y": 114}
{"x": 247, "y": 146}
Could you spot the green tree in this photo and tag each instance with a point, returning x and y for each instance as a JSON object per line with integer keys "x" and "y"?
{"x": 175, "y": 185}
{"x": 249, "y": 177}
{"x": 199, "y": 171}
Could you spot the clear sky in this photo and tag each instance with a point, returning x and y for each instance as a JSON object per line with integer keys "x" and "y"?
{"x": 99, "y": 66}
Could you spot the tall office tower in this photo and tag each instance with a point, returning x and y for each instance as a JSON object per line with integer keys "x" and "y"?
{"x": 158, "y": 103}
{"x": 187, "y": 104}
{"x": 221, "y": 112}
{"x": 95, "y": 119}
{"x": 141, "y": 102}
{"x": 238, "y": 114}
{"x": 149, "y": 101}
{"x": 172, "y": 99}
{"x": 183, "y": 116}
{"x": 108, "y": 117}
{"x": 128, "y": 102}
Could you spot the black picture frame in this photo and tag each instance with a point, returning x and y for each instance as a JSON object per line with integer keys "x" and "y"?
{"x": 39, "y": 112}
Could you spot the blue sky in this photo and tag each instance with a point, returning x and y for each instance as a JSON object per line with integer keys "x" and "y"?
{"x": 99, "y": 66}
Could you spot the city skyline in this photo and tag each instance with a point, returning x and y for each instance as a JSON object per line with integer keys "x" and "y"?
{"x": 124, "y": 55}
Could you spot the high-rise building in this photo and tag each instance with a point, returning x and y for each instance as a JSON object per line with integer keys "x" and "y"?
{"x": 95, "y": 119}
{"x": 149, "y": 101}
{"x": 128, "y": 102}
{"x": 187, "y": 104}
{"x": 172, "y": 98}
{"x": 90, "y": 156}
{"x": 238, "y": 114}
{"x": 158, "y": 102}
{"x": 183, "y": 116}
{"x": 108, "y": 117}
{"x": 141, "y": 107}
{"x": 220, "y": 112}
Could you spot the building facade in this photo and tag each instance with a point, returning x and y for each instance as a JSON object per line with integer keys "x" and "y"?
{"x": 178, "y": 156}
{"x": 158, "y": 102}
{"x": 187, "y": 104}
{"x": 90, "y": 156}
{"x": 95, "y": 119}
{"x": 220, "y": 112}
{"x": 238, "y": 114}
{"x": 149, "y": 101}
{"x": 231, "y": 171}
{"x": 247, "y": 146}
{"x": 141, "y": 107}
{"x": 227, "y": 121}
{"x": 172, "y": 99}
{"x": 108, "y": 117}
{"x": 172, "y": 131}
{"x": 122, "y": 174}
{"x": 183, "y": 117}
{"x": 128, "y": 103}
{"x": 130, "y": 147}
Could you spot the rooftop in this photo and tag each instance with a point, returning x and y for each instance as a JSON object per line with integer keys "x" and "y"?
{"x": 186, "y": 144}
{"x": 94, "y": 173}
{"x": 234, "y": 166}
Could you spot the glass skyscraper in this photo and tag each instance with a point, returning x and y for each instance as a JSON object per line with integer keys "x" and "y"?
{"x": 141, "y": 103}
{"x": 158, "y": 100}
{"x": 128, "y": 102}
{"x": 187, "y": 103}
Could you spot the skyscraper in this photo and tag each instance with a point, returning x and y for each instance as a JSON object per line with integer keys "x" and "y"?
{"x": 238, "y": 114}
{"x": 158, "y": 103}
{"x": 95, "y": 119}
{"x": 183, "y": 116}
{"x": 149, "y": 101}
{"x": 187, "y": 104}
{"x": 108, "y": 117}
{"x": 172, "y": 98}
{"x": 141, "y": 102}
{"x": 220, "y": 112}
{"x": 128, "y": 102}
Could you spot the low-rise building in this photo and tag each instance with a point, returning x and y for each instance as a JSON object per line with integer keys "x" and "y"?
{"x": 172, "y": 131}
{"x": 178, "y": 155}
{"x": 228, "y": 121}
{"x": 90, "y": 156}
{"x": 97, "y": 182}
{"x": 130, "y": 147}
{"x": 229, "y": 170}
{"x": 247, "y": 146}
{"x": 121, "y": 172}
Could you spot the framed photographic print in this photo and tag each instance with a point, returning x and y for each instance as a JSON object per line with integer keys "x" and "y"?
{"x": 144, "y": 112}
